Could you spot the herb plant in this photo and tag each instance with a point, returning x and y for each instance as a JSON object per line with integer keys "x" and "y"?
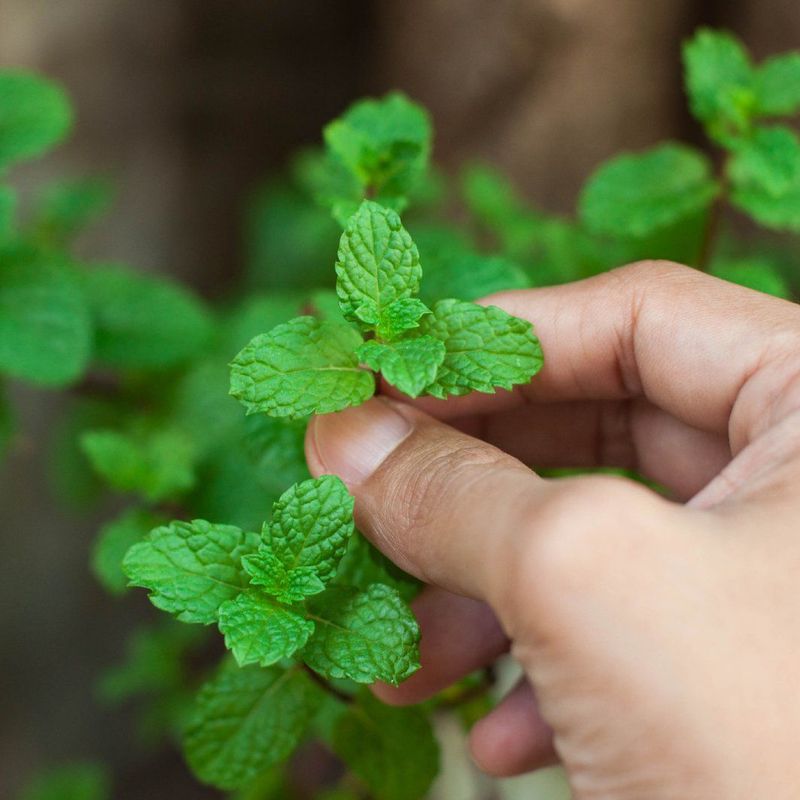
{"x": 309, "y": 611}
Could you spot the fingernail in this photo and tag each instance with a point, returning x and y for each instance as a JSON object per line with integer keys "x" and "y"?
{"x": 353, "y": 443}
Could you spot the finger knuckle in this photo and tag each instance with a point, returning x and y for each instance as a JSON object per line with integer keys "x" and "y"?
{"x": 653, "y": 270}
{"x": 423, "y": 496}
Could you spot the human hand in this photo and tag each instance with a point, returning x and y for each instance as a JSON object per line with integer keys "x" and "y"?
{"x": 660, "y": 640}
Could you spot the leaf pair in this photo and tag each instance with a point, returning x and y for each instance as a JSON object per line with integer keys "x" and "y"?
{"x": 637, "y": 195}
{"x": 315, "y": 366}
{"x": 377, "y": 149}
{"x": 732, "y": 97}
{"x": 727, "y": 93}
{"x": 268, "y": 592}
{"x": 246, "y": 720}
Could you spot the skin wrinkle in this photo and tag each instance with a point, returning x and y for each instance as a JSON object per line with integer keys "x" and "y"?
{"x": 661, "y": 638}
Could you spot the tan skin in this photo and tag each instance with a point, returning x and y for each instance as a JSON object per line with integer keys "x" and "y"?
{"x": 660, "y": 638}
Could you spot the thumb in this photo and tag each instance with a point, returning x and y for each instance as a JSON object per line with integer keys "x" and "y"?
{"x": 432, "y": 499}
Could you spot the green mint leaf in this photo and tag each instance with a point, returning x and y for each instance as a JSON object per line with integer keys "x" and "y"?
{"x": 781, "y": 213}
{"x": 228, "y": 488}
{"x": 400, "y": 316}
{"x": 410, "y": 364}
{"x": 288, "y": 586}
{"x": 155, "y": 463}
{"x": 311, "y": 524}
{"x": 757, "y": 273}
{"x": 377, "y": 263}
{"x": 288, "y": 242}
{"x": 142, "y": 321}
{"x": 258, "y": 630}
{"x": 363, "y": 564}
{"x": 245, "y": 721}
{"x": 393, "y": 750}
{"x": 495, "y": 205}
{"x": 765, "y": 173}
{"x": 35, "y": 114}
{"x": 332, "y": 184}
{"x": 191, "y": 568}
{"x": 154, "y": 662}
{"x": 256, "y": 314}
{"x": 114, "y": 541}
{"x": 201, "y": 407}
{"x": 768, "y": 160}
{"x": 468, "y": 275}
{"x": 305, "y": 366}
{"x": 45, "y": 332}
{"x": 384, "y": 144}
{"x": 8, "y": 208}
{"x": 276, "y": 449}
{"x": 68, "y": 207}
{"x": 634, "y": 195}
{"x": 777, "y": 85}
{"x": 78, "y": 781}
{"x": 486, "y": 348}
{"x": 720, "y": 83}
{"x": 364, "y": 636}
{"x": 325, "y": 305}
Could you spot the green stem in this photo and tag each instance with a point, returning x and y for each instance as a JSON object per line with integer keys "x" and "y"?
{"x": 713, "y": 224}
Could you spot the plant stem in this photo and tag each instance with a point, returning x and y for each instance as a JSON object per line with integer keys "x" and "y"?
{"x": 712, "y": 229}
{"x": 97, "y": 386}
{"x": 328, "y": 687}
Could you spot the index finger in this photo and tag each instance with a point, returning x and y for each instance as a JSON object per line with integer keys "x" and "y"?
{"x": 688, "y": 342}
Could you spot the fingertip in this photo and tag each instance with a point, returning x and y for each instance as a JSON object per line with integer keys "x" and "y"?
{"x": 513, "y": 738}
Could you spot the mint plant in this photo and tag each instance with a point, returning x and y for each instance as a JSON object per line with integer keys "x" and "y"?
{"x": 222, "y": 523}
{"x": 278, "y": 596}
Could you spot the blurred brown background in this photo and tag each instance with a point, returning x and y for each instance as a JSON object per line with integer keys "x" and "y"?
{"x": 188, "y": 104}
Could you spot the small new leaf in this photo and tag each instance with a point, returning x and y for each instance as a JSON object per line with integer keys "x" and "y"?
{"x": 393, "y": 750}
{"x": 311, "y": 524}
{"x": 305, "y": 366}
{"x": 377, "y": 263}
{"x": 720, "y": 83}
{"x": 364, "y": 636}
{"x": 409, "y": 364}
{"x": 384, "y": 144}
{"x": 246, "y": 720}
{"x": 401, "y": 316}
{"x": 287, "y": 586}
{"x": 258, "y": 630}
{"x": 191, "y": 568}
{"x": 485, "y": 348}
{"x": 634, "y": 195}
